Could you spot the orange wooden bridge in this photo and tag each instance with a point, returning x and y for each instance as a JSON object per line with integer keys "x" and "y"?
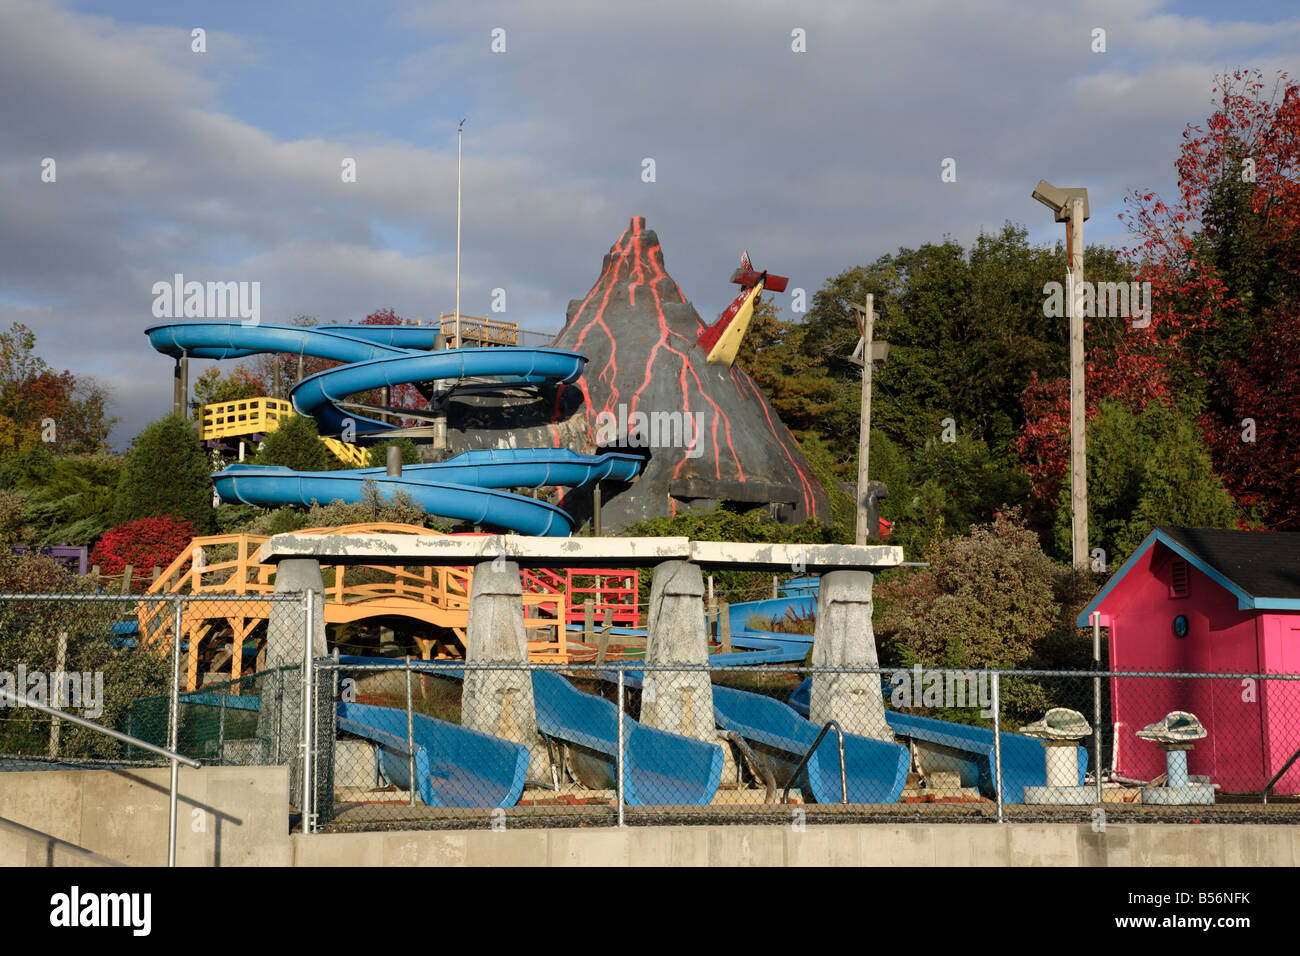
{"x": 431, "y": 604}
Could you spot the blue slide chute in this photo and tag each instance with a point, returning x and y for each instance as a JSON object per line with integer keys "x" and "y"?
{"x": 454, "y": 766}
{"x": 469, "y": 487}
{"x": 874, "y": 771}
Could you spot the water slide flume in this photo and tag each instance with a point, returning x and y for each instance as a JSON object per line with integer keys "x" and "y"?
{"x": 454, "y": 766}
{"x": 874, "y": 771}
{"x": 373, "y": 359}
{"x": 966, "y": 750}
{"x": 469, "y": 487}
{"x": 464, "y": 488}
{"x": 661, "y": 768}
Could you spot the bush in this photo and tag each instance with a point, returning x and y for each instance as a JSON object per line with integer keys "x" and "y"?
{"x": 167, "y": 473}
{"x": 296, "y": 444}
{"x": 144, "y": 544}
{"x": 379, "y": 453}
{"x": 987, "y": 600}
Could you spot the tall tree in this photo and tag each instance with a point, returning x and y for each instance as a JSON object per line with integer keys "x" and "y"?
{"x": 1223, "y": 260}
{"x": 167, "y": 473}
{"x": 38, "y": 403}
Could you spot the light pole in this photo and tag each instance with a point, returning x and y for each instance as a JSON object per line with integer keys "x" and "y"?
{"x": 459, "y": 135}
{"x": 1070, "y": 206}
{"x": 867, "y": 353}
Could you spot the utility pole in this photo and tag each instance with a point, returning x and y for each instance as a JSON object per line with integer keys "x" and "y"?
{"x": 1070, "y": 206}
{"x": 459, "y": 134}
{"x": 1078, "y": 431}
{"x": 866, "y": 323}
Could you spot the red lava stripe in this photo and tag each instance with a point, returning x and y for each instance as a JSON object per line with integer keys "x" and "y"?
{"x": 809, "y": 494}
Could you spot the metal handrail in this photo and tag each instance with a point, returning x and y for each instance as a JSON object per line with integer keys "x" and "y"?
{"x": 1278, "y": 776}
{"x": 803, "y": 762}
{"x": 175, "y": 758}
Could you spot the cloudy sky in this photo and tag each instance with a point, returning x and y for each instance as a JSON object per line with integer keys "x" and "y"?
{"x": 227, "y": 164}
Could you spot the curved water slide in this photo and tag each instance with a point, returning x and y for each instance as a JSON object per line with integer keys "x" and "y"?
{"x": 874, "y": 771}
{"x": 454, "y": 766}
{"x": 467, "y": 487}
{"x": 661, "y": 768}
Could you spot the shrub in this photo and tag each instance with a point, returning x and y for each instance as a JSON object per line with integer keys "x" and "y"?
{"x": 143, "y": 544}
{"x": 167, "y": 473}
{"x": 296, "y": 444}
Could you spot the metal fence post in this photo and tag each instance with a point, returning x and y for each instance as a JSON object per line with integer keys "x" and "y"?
{"x": 308, "y": 780}
{"x": 279, "y": 712}
{"x": 618, "y": 758}
{"x": 178, "y": 621}
{"x": 997, "y": 741}
{"x": 1096, "y": 701}
{"x": 221, "y": 732}
{"x": 410, "y": 734}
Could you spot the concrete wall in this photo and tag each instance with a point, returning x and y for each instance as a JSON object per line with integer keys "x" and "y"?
{"x": 97, "y": 817}
{"x": 53, "y": 817}
{"x": 1012, "y": 844}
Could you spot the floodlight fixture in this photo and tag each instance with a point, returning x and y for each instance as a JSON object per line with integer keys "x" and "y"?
{"x": 1061, "y": 201}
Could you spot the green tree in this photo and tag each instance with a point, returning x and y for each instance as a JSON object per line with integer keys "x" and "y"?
{"x": 379, "y": 452}
{"x": 166, "y": 472}
{"x": 296, "y": 444}
{"x": 1146, "y": 469}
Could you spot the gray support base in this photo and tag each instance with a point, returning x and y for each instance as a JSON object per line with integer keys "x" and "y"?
{"x": 500, "y": 702}
{"x": 1060, "y": 796}
{"x": 680, "y": 701}
{"x": 843, "y": 637}
{"x": 1197, "y": 793}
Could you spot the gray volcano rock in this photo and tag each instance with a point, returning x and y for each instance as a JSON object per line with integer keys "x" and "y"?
{"x": 710, "y": 434}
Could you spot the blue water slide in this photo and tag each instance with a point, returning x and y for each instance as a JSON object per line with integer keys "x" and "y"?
{"x": 967, "y": 750}
{"x": 874, "y": 771}
{"x": 274, "y": 486}
{"x": 372, "y": 359}
{"x": 461, "y": 487}
{"x": 467, "y": 487}
{"x": 660, "y": 768}
{"x": 454, "y": 766}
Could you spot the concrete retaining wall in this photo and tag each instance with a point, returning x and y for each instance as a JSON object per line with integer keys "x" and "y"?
{"x": 1012, "y": 844}
{"x": 53, "y": 817}
{"x": 97, "y": 817}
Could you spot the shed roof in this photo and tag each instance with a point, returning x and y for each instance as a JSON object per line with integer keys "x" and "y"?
{"x": 1262, "y": 568}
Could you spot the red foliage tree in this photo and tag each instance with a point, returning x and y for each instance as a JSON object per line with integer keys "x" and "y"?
{"x": 400, "y": 396}
{"x": 1257, "y": 450}
{"x": 143, "y": 544}
{"x": 1223, "y": 263}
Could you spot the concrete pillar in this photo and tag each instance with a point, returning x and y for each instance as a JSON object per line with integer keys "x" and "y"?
{"x": 279, "y": 721}
{"x": 681, "y": 702}
{"x": 843, "y": 638}
{"x": 500, "y": 702}
{"x": 286, "y": 626}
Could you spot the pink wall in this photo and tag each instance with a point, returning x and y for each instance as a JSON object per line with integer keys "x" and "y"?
{"x": 1280, "y": 639}
{"x": 1140, "y": 612}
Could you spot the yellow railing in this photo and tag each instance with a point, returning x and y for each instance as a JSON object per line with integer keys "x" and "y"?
{"x": 261, "y": 416}
{"x": 248, "y": 416}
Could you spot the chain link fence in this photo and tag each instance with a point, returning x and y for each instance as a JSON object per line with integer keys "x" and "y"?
{"x": 115, "y": 659}
{"x": 433, "y": 744}
{"x": 405, "y": 743}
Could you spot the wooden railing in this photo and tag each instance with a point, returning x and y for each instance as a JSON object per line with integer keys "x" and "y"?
{"x": 227, "y": 565}
{"x": 478, "y": 331}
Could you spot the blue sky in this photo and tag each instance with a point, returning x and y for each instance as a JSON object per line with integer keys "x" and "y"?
{"x": 225, "y": 165}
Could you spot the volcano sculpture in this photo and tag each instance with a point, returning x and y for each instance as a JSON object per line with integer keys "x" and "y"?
{"x": 651, "y": 385}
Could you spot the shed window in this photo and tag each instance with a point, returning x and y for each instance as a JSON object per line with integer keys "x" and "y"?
{"x": 1179, "y": 579}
